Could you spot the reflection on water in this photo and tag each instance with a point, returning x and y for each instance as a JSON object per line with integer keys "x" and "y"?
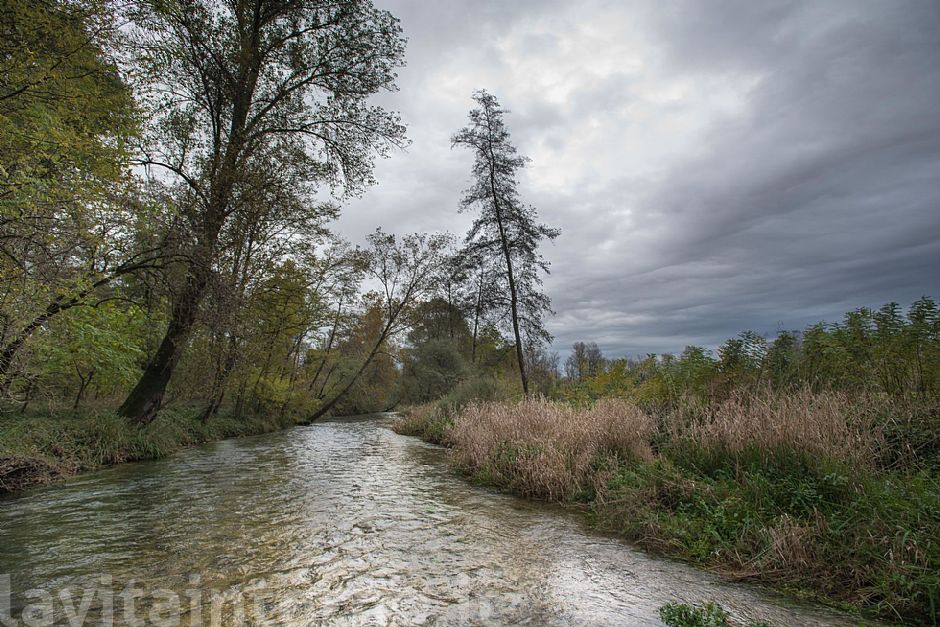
{"x": 339, "y": 522}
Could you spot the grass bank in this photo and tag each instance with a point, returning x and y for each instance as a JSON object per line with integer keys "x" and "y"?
{"x": 37, "y": 449}
{"x": 815, "y": 493}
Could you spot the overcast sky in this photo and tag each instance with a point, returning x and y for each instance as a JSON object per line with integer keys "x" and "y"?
{"x": 714, "y": 166}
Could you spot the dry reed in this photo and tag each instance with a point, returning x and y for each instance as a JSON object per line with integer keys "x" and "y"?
{"x": 829, "y": 424}
{"x": 545, "y": 449}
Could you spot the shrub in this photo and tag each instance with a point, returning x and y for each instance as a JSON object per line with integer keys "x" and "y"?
{"x": 683, "y": 615}
{"x": 430, "y": 422}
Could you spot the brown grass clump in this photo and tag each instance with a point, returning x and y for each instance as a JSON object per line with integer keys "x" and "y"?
{"x": 829, "y": 425}
{"x": 792, "y": 548}
{"x": 544, "y": 449}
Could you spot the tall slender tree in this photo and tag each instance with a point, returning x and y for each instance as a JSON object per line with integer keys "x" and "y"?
{"x": 250, "y": 96}
{"x": 505, "y": 228}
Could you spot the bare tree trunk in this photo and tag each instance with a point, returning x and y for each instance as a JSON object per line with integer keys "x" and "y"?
{"x": 295, "y": 366}
{"x": 84, "y": 382}
{"x": 477, "y": 314}
{"x": 329, "y": 345}
{"x": 27, "y": 396}
{"x": 513, "y": 297}
{"x": 218, "y": 384}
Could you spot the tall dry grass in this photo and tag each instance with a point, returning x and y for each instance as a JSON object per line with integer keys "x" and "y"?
{"x": 544, "y": 449}
{"x": 829, "y": 425}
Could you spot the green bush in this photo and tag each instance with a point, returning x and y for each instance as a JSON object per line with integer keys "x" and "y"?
{"x": 684, "y": 615}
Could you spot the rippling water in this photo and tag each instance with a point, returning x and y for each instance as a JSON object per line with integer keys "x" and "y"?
{"x": 339, "y": 522}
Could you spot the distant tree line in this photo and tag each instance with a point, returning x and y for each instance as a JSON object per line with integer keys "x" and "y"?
{"x": 886, "y": 351}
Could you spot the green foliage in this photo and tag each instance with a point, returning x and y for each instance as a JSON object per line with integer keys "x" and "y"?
{"x": 99, "y": 346}
{"x": 858, "y": 537}
{"x": 478, "y": 388}
{"x": 66, "y": 200}
{"x": 709, "y": 614}
{"x": 683, "y": 615}
{"x": 431, "y": 370}
{"x": 883, "y": 352}
{"x": 64, "y": 111}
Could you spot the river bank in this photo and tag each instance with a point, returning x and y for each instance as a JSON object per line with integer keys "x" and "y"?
{"x": 788, "y": 495}
{"x": 41, "y": 448}
{"x": 339, "y": 522}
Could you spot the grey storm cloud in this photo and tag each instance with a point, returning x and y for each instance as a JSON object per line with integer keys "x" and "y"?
{"x": 714, "y": 166}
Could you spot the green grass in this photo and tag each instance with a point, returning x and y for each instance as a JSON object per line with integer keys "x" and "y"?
{"x": 869, "y": 540}
{"x": 684, "y": 615}
{"x": 866, "y": 539}
{"x": 36, "y": 449}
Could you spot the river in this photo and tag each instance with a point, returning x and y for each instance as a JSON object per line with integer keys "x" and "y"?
{"x": 341, "y": 522}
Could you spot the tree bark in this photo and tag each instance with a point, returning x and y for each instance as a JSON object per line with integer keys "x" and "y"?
{"x": 143, "y": 403}
{"x": 513, "y": 298}
{"x": 221, "y": 378}
{"x": 478, "y": 312}
{"x": 329, "y": 347}
{"x": 84, "y": 382}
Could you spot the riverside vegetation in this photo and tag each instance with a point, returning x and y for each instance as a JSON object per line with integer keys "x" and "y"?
{"x": 162, "y": 250}
{"x": 810, "y": 462}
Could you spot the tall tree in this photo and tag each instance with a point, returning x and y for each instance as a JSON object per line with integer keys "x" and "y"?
{"x": 505, "y": 228}
{"x": 250, "y": 96}
{"x": 586, "y": 360}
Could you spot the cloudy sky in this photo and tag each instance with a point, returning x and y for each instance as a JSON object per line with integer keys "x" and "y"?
{"x": 714, "y": 166}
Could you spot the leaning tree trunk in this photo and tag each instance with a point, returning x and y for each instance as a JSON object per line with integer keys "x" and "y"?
{"x": 327, "y": 406}
{"x": 143, "y": 403}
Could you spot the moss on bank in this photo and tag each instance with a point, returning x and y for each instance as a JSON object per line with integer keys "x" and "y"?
{"x": 805, "y": 515}
{"x": 37, "y": 449}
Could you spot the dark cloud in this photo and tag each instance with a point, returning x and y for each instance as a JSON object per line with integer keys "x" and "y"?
{"x": 714, "y": 166}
